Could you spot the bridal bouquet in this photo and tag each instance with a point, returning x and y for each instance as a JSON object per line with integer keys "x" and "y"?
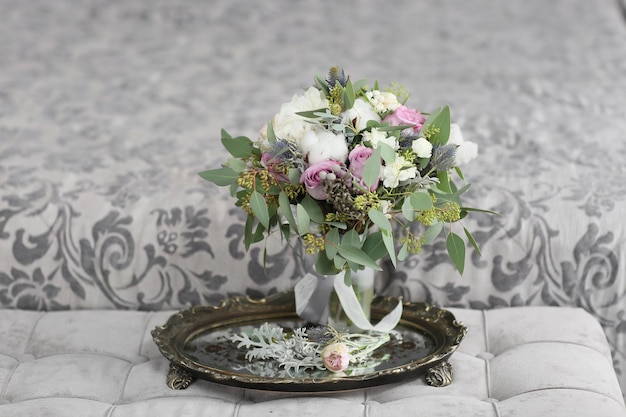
{"x": 348, "y": 168}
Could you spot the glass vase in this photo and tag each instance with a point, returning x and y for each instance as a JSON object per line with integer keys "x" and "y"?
{"x": 363, "y": 287}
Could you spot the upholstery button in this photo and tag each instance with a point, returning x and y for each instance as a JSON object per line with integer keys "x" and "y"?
{"x": 486, "y": 356}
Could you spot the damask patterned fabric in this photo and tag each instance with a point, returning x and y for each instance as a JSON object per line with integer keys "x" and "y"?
{"x": 108, "y": 109}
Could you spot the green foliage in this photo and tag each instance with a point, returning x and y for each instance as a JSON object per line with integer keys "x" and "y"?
{"x": 239, "y": 147}
{"x": 439, "y": 123}
{"x": 456, "y": 249}
{"x": 221, "y": 176}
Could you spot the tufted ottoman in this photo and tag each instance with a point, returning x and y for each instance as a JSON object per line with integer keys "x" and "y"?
{"x": 530, "y": 361}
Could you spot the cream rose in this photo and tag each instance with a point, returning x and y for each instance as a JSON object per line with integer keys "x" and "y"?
{"x": 287, "y": 124}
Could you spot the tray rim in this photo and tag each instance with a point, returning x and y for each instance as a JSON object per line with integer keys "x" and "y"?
{"x": 439, "y": 324}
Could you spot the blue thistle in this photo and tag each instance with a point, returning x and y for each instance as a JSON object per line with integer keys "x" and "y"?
{"x": 336, "y": 75}
{"x": 405, "y": 142}
{"x": 282, "y": 150}
{"x": 442, "y": 158}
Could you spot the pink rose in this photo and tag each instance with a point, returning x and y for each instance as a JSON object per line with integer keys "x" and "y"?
{"x": 313, "y": 177}
{"x": 358, "y": 157}
{"x": 336, "y": 357}
{"x": 403, "y": 116}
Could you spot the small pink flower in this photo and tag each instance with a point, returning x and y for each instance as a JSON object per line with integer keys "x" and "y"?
{"x": 336, "y": 357}
{"x": 313, "y": 177}
{"x": 403, "y": 116}
{"x": 358, "y": 157}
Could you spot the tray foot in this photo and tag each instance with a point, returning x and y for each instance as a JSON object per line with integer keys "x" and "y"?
{"x": 439, "y": 375}
{"x": 178, "y": 378}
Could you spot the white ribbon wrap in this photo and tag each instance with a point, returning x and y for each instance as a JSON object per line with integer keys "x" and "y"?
{"x": 312, "y": 295}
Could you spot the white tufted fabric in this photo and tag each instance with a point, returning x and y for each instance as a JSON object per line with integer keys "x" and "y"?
{"x": 528, "y": 361}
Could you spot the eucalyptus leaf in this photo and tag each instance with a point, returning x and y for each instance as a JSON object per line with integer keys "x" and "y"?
{"x": 338, "y": 225}
{"x": 358, "y": 85}
{"x": 371, "y": 170}
{"x": 421, "y": 201}
{"x": 233, "y": 188}
{"x": 271, "y": 136}
{"x": 259, "y": 208}
{"x": 432, "y": 232}
{"x": 444, "y": 182}
{"x": 257, "y": 236}
{"x": 472, "y": 241}
{"x": 348, "y": 96}
{"x": 480, "y": 210}
{"x": 311, "y": 114}
{"x": 303, "y": 220}
{"x": 439, "y": 119}
{"x": 220, "y": 176}
{"x": 358, "y": 256}
{"x": 285, "y": 230}
{"x": 294, "y": 176}
{"x": 408, "y": 211}
{"x": 374, "y": 245}
{"x": 285, "y": 209}
{"x": 339, "y": 262}
{"x": 351, "y": 238}
{"x": 390, "y": 245}
{"x": 379, "y": 219}
{"x": 403, "y": 252}
{"x": 236, "y": 165}
{"x": 332, "y": 243}
{"x": 347, "y": 277}
{"x": 313, "y": 209}
{"x": 456, "y": 250}
{"x": 225, "y": 134}
{"x": 321, "y": 83}
{"x": 247, "y": 231}
{"x": 239, "y": 147}
{"x": 386, "y": 128}
{"x": 459, "y": 172}
{"x": 325, "y": 266}
{"x": 387, "y": 153}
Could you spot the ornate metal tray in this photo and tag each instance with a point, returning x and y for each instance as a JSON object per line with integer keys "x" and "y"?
{"x": 195, "y": 341}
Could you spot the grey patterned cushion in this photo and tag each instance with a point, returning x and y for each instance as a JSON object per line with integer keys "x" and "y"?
{"x": 109, "y": 109}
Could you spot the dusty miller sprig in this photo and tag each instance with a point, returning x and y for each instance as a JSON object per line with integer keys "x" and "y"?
{"x": 298, "y": 351}
{"x": 293, "y": 352}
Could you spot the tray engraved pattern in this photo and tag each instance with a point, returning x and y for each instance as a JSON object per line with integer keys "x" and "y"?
{"x": 195, "y": 342}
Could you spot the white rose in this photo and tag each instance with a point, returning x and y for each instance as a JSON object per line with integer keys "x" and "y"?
{"x": 287, "y": 124}
{"x": 322, "y": 145}
{"x": 422, "y": 148}
{"x": 465, "y": 151}
{"x": 361, "y": 113}
{"x": 376, "y": 136}
{"x": 399, "y": 170}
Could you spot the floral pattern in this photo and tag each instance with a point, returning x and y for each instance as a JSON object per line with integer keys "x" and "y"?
{"x": 110, "y": 109}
